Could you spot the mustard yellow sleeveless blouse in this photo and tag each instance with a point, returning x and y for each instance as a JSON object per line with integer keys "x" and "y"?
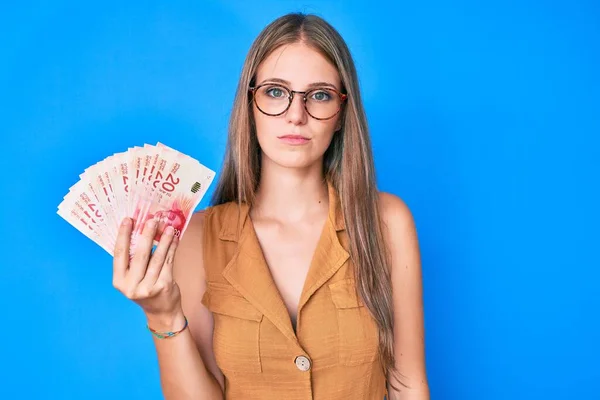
{"x": 333, "y": 355}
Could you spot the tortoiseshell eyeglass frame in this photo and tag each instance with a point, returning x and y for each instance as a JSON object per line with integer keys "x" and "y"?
{"x": 342, "y": 96}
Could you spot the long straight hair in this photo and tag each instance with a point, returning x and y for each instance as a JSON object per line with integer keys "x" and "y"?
{"x": 348, "y": 164}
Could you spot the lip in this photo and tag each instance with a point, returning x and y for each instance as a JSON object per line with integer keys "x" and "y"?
{"x": 294, "y": 139}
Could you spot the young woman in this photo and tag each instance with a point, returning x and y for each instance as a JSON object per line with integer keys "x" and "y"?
{"x": 301, "y": 281}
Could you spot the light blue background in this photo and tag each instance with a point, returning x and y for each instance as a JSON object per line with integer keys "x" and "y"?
{"x": 484, "y": 118}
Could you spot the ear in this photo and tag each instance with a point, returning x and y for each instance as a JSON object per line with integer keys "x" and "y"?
{"x": 338, "y": 125}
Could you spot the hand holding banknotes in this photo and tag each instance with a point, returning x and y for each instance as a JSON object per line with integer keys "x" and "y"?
{"x": 154, "y": 189}
{"x": 147, "y": 278}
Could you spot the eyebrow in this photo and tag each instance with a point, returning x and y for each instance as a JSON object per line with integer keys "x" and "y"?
{"x": 310, "y": 85}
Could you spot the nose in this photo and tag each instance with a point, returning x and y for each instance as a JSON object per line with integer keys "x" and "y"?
{"x": 297, "y": 114}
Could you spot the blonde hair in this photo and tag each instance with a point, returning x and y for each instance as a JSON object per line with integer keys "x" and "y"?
{"x": 348, "y": 164}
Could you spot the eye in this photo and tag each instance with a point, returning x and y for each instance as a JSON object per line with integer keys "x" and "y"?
{"x": 276, "y": 92}
{"x": 321, "y": 95}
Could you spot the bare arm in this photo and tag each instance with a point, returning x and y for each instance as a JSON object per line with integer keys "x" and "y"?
{"x": 409, "y": 336}
{"x": 187, "y": 366}
{"x": 168, "y": 284}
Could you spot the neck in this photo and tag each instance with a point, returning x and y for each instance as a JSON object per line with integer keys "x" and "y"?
{"x": 290, "y": 194}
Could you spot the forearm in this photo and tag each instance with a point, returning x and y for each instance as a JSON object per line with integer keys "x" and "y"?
{"x": 183, "y": 374}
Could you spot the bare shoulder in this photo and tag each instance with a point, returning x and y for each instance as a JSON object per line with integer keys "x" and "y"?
{"x": 196, "y": 226}
{"x": 188, "y": 258}
{"x": 395, "y": 213}
{"x": 188, "y": 268}
{"x": 400, "y": 236}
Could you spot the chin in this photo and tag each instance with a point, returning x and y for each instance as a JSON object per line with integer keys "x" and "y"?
{"x": 290, "y": 160}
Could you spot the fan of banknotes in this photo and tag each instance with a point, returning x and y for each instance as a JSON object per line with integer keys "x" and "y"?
{"x": 148, "y": 182}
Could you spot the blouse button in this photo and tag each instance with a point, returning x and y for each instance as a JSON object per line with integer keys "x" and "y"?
{"x": 303, "y": 363}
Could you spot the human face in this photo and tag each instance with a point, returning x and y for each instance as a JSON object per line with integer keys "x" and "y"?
{"x": 295, "y": 139}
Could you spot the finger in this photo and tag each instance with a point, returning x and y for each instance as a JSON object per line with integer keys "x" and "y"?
{"x": 166, "y": 273}
{"x": 121, "y": 252}
{"x": 143, "y": 250}
{"x": 158, "y": 258}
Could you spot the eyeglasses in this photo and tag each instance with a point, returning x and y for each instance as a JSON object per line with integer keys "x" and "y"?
{"x": 320, "y": 103}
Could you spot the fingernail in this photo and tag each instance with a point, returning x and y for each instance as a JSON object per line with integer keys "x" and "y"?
{"x": 169, "y": 230}
{"x": 126, "y": 221}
